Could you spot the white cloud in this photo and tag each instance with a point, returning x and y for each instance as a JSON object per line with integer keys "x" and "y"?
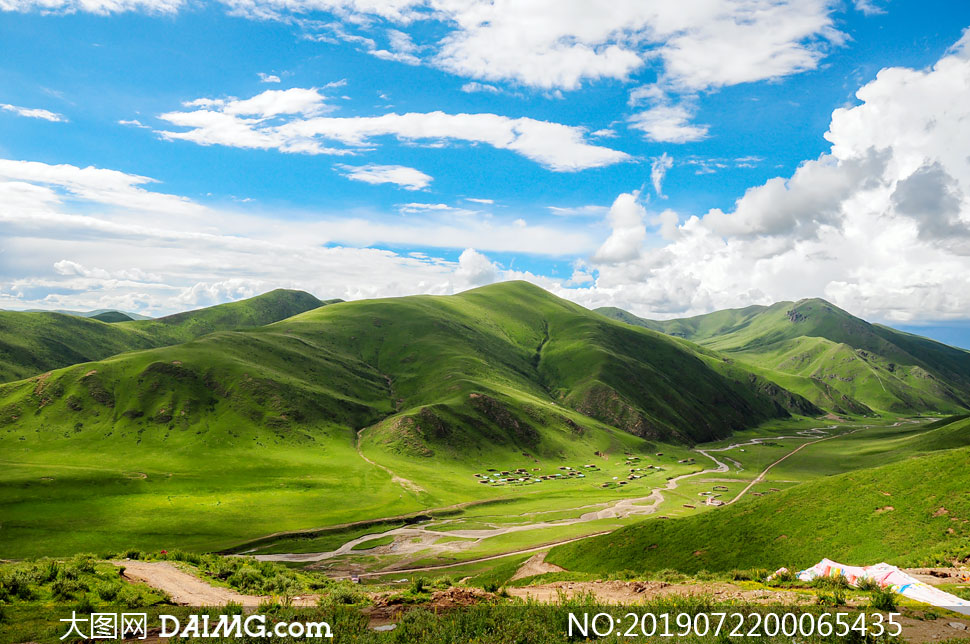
{"x": 556, "y": 44}
{"x": 407, "y": 178}
{"x": 475, "y": 86}
{"x": 268, "y": 78}
{"x": 668, "y": 124}
{"x": 479, "y": 200}
{"x": 626, "y": 218}
{"x": 95, "y": 185}
{"x": 475, "y": 269}
{"x": 658, "y": 170}
{"x": 868, "y": 7}
{"x": 95, "y": 238}
{"x": 133, "y": 123}
{"x": 589, "y": 210}
{"x": 101, "y": 7}
{"x": 441, "y": 208}
{"x": 246, "y": 124}
{"x": 34, "y": 113}
{"x": 880, "y": 225}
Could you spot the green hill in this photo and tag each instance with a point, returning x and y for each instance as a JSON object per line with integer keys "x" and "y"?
{"x": 915, "y": 511}
{"x": 35, "y": 342}
{"x": 111, "y": 317}
{"x": 489, "y": 375}
{"x": 836, "y": 360}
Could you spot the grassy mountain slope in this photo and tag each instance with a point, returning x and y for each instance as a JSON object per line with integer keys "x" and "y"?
{"x": 915, "y": 511}
{"x": 493, "y": 373}
{"x": 32, "y": 343}
{"x": 834, "y": 359}
{"x": 112, "y": 317}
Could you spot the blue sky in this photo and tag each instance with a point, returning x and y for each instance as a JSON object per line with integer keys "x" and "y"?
{"x": 357, "y": 149}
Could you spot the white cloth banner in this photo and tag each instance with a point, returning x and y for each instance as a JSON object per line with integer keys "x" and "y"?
{"x": 887, "y": 576}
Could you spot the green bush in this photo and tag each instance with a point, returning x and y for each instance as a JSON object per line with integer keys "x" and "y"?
{"x": 835, "y": 598}
{"x": 84, "y": 605}
{"x": 65, "y": 588}
{"x": 46, "y": 571}
{"x": 83, "y": 563}
{"x": 343, "y": 594}
{"x": 883, "y": 599}
{"x": 107, "y": 591}
{"x": 867, "y": 585}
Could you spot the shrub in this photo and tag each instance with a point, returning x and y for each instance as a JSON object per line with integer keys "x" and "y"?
{"x": 129, "y": 598}
{"x": 46, "y": 571}
{"x": 64, "y": 588}
{"x": 867, "y": 585}
{"x": 17, "y": 584}
{"x": 83, "y": 563}
{"x": 838, "y": 581}
{"x": 836, "y": 598}
{"x": 247, "y": 579}
{"x": 107, "y": 591}
{"x": 883, "y": 599}
{"x": 84, "y": 605}
{"x": 419, "y": 585}
{"x": 342, "y": 594}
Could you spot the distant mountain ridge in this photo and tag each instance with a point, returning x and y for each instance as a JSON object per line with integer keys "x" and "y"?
{"x": 35, "y": 342}
{"x": 838, "y": 361}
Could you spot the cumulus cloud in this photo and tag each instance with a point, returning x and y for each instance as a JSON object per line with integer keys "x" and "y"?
{"x": 880, "y": 224}
{"x": 407, "y": 178}
{"x": 269, "y": 78}
{"x": 33, "y": 113}
{"x": 626, "y": 218}
{"x": 475, "y": 269}
{"x": 250, "y": 123}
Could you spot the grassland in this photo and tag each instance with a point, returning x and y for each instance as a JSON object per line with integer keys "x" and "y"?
{"x": 912, "y": 511}
{"x": 237, "y": 434}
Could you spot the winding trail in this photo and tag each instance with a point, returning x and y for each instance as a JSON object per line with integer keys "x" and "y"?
{"x": 410, "y": 486}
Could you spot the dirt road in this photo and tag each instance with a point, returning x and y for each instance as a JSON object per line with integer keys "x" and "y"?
{"x": 187, "y": 589}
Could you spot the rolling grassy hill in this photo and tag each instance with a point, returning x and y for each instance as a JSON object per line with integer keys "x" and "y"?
{"x": 35, "y": 342}
{"x": 836, "y": 360}
{"x": 241, "y": 433}
{"x": 914, "y": 511}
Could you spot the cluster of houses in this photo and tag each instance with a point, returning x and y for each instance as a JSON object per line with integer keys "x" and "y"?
{"x": 522, "y": 476}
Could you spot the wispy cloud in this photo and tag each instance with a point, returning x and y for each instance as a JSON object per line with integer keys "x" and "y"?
{"x": 34, "y": 113}
{"x": 403, "y": 176}
{"x": 248, "y": 123}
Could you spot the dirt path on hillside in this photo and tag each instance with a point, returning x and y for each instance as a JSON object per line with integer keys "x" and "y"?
{"x": 410, "y": 486}
{"x": 188, "y": 590}
{"x": 535, "y": 565}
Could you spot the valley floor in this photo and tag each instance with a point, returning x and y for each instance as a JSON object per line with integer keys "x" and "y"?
{"x": 749, "y": 465}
